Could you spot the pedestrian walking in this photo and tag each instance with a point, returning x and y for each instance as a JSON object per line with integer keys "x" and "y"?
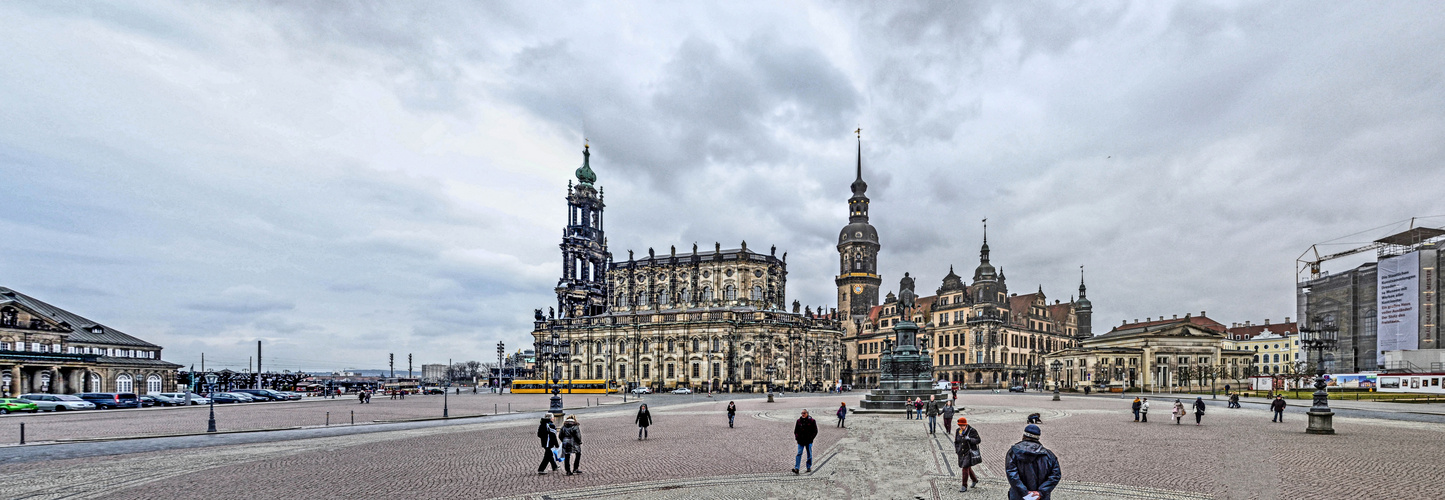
{"x": 947, "y": 417}
{"x": 1198, "y": 410}
{"x": 547, "y": 434}
{"x": 1144, "y": 411}
{"x": 571, "y": 436}
{"x": 803, "y": 432}
{"x": 954, "y": 390}
{"x": 1178, "y": 412}
{"x": 842, "y": 415}
{"x": 1086, "y": 390}
{"x": 1033, "y": 471}
{"x": 1226, "y": 388}
{"x": 1136, "y": 406}
{"x": 732, "y": 413}
{"x": 965, "y": 444}
{"x": 361, "y": 398}
{"x": 644, "y": 419}
{"x": 1234, "y": 400}
{"x": 932, "y": 411}
{"x": 1278, "y": 406}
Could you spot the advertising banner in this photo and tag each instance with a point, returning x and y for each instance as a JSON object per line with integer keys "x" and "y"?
{"x": 1397, "y": 289}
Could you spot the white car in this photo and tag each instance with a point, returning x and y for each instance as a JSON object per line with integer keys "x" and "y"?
{"x": 641, "y": 390}
{"x": 682, "y": 390}
{"x": 196, "y": 399}
{"x": 58, "y": 402}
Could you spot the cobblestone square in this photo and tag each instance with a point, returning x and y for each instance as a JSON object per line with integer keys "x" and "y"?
{"x": 691, "y": 453}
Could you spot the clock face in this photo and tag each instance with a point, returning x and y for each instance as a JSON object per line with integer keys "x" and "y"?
{"x": 857, "y": 289}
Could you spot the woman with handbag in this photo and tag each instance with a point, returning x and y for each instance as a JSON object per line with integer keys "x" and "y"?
{"x": 965, "y": 444}
{"x": 571, "y": 436}
{"x": 1178, "y": 411}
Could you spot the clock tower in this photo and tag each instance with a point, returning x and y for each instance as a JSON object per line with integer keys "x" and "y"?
{"x": 858, "y": 279}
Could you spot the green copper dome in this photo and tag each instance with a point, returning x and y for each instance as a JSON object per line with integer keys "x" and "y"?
{"x": 585, "y": 174}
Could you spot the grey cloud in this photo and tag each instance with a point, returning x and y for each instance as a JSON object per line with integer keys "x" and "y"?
{"x": 241, "y": 300}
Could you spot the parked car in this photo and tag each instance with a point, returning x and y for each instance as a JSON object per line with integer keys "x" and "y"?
{"x": 180, "y": 397}
{"x": 58, "y": 402}
{"x": 9, "y": 405}
{"x": 845, "y": 388}
{"x": 229, "y": 397}
{"x": 261, "y": 394}
{"x": 641, "y": 390}
{"x": 163, "y": 400}
{"x": 110, "y": 400}
{"x": 1017, "y": 388}
{"x": 293, "y": 396}
{"x": 682, "y": 390}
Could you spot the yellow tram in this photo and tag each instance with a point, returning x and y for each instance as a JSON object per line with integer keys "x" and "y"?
{"x": 579, "y": 386}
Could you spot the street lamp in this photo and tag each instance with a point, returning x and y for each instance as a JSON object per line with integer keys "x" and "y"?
{"x": 556, "y": 350}
{"x": 1057, "y": 365}
{"x": 1321, "y": 338}
{"x": 211, "y": 390}
{"x": 501, "y": 350}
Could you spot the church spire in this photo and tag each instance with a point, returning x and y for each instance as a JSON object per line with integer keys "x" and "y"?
{"x": 983, "y": 253}
{"x": 1081, "y": 282}
{"x": 585, "y": 175}
{"x": 859, "y": 187}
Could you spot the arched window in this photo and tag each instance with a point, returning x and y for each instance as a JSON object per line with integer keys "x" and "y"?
{"x": 45, "y": 382}
{"x": 730, "y": 293}
{"x": 757, "y": 292}
{"x": 95, "y": 383}
{"x": 682, "y": 296}
{"x": 124, "y": 383}
{"x": 641, "y": 299}
{"x": 663, "y": 297}
{"x": 153, "y": 384}
{"x": 706, "y": 294}
{"x": 747, "y": 370}
{"x": 621, "y": 300}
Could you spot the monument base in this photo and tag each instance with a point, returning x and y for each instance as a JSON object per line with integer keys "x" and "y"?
{"x": 1321, "y": 422}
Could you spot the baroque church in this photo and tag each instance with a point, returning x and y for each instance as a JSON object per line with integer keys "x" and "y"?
{"x": 708, "y": 319}
{"x": 977, "y": 334}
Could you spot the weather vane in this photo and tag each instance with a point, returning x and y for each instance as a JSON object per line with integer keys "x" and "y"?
{"x": 859, "y": 132}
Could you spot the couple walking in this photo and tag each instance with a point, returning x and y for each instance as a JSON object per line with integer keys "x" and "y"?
{"x": 564, "y": 445}
{"x": 1179, "y": 411}
{"x": 1033, "y": 471}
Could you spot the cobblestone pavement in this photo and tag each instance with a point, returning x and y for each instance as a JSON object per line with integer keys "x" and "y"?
{"x": 691, "y": 453}
{"x": 310, "y": 412}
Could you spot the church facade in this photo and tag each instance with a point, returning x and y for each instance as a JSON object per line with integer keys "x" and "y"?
{"x": 978, "y": 334}
{"x": 708, "y": 319}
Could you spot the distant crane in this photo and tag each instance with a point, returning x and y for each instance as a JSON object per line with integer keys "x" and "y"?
{"x": 1409, "y": 237}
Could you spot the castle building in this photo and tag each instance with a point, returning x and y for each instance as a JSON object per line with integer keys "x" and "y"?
{"x": 46, "y": 349}
{"x": 708, "y": 319}
{"x": 978, "y": 334}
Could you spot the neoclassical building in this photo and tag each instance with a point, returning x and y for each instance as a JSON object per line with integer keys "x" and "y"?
{"x": 46, "y": 349}
{"x": 705, "y": 319}
{"x": 978, "y": 334}
{"x": 1157, "y": 355}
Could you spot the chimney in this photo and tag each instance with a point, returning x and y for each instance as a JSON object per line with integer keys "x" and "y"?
{"x": 1201, "y": 313}
{"x": 1286, "y": 319}
{"x": 1176, "y": 316}
{"x": 1266, "y": 321}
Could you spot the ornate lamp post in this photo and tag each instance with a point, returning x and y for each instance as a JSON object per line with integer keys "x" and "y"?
{"x": 211, "y": 391}
{"x": 1057, "y": 365}
{"x": 557, "y": 351}
{"x": 1320, "y": 338}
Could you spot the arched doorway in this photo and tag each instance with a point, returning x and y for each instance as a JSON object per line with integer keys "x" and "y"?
{"x": 94, "y": 385}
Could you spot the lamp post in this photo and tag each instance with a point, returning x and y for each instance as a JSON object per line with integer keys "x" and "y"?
{"x": 1320, "y": 338}
{"x": 555, "y": 350}
{"x": 770, "y": 370}
{"x": 211, "y": 390}
{"x": 447, "y": 389}
{"x": 501, "y": 352}
{"x": 1057, "y": 365}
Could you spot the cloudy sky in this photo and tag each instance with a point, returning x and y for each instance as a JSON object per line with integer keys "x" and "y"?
{"x": 349, "y": 180}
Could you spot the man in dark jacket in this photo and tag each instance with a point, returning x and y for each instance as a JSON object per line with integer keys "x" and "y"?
{"x": 931, "y": 409}
{"x": 1278, "y": 406}
{"x": 1198, "y": 410}
{"x": 804, "y": 431}
{"x": 1136, "y": 407}
{"x": 1031, "y": 468}
{"x": 547, "y": 433}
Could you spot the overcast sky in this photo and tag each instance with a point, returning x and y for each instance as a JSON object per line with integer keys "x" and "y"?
{"x": 347, "y": 180}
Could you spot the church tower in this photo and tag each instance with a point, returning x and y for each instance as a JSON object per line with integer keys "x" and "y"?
{"x": 582, "y": 289}
{"x": 1084, "y": 310}
{"x": 858, "y": 279}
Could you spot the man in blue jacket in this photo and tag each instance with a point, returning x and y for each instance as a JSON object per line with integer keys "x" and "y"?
{"x": 1033, "y": 471}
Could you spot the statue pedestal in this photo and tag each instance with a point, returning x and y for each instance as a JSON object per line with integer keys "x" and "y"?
{"x": 1321, "y": 422}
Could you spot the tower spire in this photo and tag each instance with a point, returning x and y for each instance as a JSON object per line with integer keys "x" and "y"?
{"x": 859, "y": 187}
{"x": 983, "y": 253}
{"x": 1081, "y": 282}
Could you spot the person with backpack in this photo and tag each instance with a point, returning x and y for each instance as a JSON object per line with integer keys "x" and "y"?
{"x": 1033, "y": 471}
{"x": 842, "y": 415}
{"x": 547, "y": 434}
{"x": 1198, "y": 410}
{"x": 965, "y": 444}
{"x": 644, "y": 420}
{"x": 571, "y": 445}
{"x": 732, "y": 413}
{"x": 803, "y": 432}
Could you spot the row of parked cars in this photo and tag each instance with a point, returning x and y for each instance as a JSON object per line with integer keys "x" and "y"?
{"x": 108, "y": 400}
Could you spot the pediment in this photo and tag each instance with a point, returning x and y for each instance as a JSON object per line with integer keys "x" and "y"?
{"x": 24, "y": 316}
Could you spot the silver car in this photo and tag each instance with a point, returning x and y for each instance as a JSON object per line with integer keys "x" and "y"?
{"x": 58, "y": 402}
{"x": 196, "y": 399}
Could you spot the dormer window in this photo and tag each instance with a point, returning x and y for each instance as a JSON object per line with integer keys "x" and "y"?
{"x": 97, "y": 330}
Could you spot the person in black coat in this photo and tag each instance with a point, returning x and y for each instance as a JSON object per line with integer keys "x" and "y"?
{"x": 1198, "y": 410}
{"x": 547, "y": 434}
{"x": 965, "y": 444}
{"x": 571, "y": 445}
{"x": 1031, "y": 468}
{"x": 732, "y": 412}
{"x": 1278, "y": 407}
{"x": 644, "y": 419}
{"x": 803, "y": 432}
